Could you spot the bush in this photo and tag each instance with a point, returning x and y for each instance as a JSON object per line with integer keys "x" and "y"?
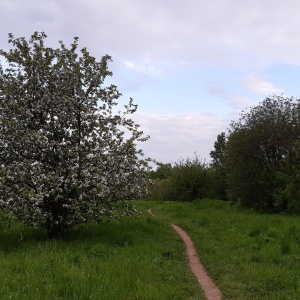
{"x": 188, "y": 179}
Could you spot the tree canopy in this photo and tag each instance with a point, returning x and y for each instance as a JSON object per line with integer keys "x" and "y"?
{"x": 259, "y": 147}
{"x": 67, "y": 155}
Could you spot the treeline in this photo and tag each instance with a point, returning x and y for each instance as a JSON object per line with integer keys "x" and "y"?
{"x": 256, "y": 164}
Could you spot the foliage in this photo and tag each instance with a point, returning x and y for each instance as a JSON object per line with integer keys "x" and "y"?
{"x": 186, "y": 180}
{"x": 218, "y": 167}
{"x": 66, "y": 156}
{"x": 259, "y": 146}
{"x": 287, "y": 195}
{"x": 189, "y": 179}
{"x": 161, "y": 189}
{"x": 163, "y": 171}
{"x": 218, "y": 155}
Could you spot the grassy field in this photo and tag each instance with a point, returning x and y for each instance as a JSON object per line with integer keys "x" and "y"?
{"x": 139, "y": 259}
{"x": 250, "y": 255}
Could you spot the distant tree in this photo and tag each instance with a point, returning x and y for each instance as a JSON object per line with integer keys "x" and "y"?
{"x": 67, "y": 157}
{"x": 258, "y": 147}
{"x": 218, "y": 168}
{"x": 163, "y": 171}
{"x": 218, "y": 154}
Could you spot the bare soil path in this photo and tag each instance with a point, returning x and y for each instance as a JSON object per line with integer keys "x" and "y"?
{"x": 212, "y": 292}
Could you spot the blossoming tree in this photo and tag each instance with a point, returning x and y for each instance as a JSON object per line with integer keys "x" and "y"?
{"x": 66, "y": 155}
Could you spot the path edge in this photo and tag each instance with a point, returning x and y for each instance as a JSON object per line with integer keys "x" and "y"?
{"x": 212, "y": 292}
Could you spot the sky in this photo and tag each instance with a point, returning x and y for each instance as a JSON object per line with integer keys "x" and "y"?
{"x": 191, "y": 66}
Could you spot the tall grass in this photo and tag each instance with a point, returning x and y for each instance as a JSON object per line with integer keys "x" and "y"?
{"x": 138, "y": 259}
{"x": 250, "y": 255}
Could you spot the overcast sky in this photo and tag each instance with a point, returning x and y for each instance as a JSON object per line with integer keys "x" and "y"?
{"x": 190, "y": 65}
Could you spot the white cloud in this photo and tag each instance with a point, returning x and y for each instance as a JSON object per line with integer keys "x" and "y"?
{"x": 227, "y": 32}
{"x": 256, "y": 84}
{"x": 175, "y": 136}
{"x": 223, "y": 93}
{"x": 146, "y": 69}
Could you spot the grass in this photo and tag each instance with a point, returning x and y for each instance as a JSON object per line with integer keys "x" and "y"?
{"x": 138, "y": 259}
{"x": 250, "y": 255}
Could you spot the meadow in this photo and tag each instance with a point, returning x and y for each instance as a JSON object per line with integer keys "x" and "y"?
{"x": 140, "y": 258}
{"x": 249, "y": 255}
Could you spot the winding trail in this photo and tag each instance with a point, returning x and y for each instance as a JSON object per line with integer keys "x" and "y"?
{"x": 212, "y": 292}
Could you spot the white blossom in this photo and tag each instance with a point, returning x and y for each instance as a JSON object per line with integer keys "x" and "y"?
{"x": 64, "y": 157}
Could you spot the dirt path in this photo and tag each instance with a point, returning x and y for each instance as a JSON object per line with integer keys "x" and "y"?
{"x": 212, "y": 292}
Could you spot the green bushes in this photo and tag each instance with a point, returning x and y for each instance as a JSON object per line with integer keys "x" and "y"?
{"x": 188, "y": 179}
{"x": 160, "y": 189}
{"x": 287, "y": 194}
